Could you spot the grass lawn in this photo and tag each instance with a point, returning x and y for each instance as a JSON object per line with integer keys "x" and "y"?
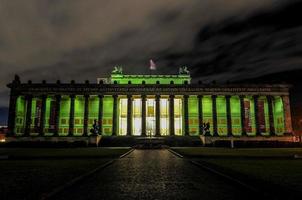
{"x": 243, "y": 152}
{"x": 283, "y": 172}
{"x": 62, "y": 152}
{"x": 47, "y": 169}
{"x": 275, "y": 165}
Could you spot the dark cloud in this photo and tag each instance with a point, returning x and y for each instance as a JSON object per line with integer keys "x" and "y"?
{"x": 79, "y": 40}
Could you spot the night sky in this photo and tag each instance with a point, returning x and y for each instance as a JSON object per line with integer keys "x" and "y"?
{"x": 222, "y": 40}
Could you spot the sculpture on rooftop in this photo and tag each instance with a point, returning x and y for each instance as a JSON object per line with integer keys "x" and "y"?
{"x": 184, "y": 70}
{"x": 117, "y": 70}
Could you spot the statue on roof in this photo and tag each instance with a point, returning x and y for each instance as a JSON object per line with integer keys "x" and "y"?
{"x": 117, "y": 70}
{"x": 184, "y": 70}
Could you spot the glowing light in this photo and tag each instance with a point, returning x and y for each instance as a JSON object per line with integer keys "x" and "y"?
{"x": 137, "y": 117}
{"x": 123, "y": 116}
{"x": 178, "y": 116}
{"x": 164, "y": 117}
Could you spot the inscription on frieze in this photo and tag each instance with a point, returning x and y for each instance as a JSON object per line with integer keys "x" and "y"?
{"x": 150, "y": 89}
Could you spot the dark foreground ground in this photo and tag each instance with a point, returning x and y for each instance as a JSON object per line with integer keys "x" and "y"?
{"x": 27, "y": 173}
{"x": 154, "y": 174}
{"x": 150, "y": 174}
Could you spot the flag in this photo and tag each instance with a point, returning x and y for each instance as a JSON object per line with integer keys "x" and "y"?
{"x": 152, "y": 65}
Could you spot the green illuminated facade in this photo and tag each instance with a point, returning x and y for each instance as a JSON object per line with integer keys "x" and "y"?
{"x": 148, "y": 105}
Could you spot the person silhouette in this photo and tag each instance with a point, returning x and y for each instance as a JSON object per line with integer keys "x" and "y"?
{"x": 95, "y": 128}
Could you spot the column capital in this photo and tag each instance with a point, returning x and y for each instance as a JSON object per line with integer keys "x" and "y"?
{"x": 172, "y": 96}
{"x": 144, "y": 97}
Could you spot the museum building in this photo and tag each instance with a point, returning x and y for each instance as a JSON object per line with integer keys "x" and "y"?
{"x": 148, "y": 105}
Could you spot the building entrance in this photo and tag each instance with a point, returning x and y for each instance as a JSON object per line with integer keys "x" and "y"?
{"x": 150, "y": 117}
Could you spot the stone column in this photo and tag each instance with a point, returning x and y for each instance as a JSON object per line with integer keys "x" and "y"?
{"x": 229, "y": 117}
{"x": 242, "y": 115}
{"x": 200, "y": 117}
{"x": 114, "y": 117}
{"x": 100, "y": 114}
{"x": 86, "y": 115}
{"x": 157, "y": 115}
{"x": 43, "y": 113}
{"x": 186, "y": 114}
{"x": 71, "y": 116}
{"x": 270, "y": 101}
{"x": 144, "y": 99}
{"x": 57, "y": 113}
{"x": 171, "y": 115}
{"x": 28, "y": 115}
{"x": 287, "y": 114}
{"x": 129, "y": 115}
{"x": 12, "y": 114}
{"x": 214, "y": 111}
{"x": 256, "y": 111}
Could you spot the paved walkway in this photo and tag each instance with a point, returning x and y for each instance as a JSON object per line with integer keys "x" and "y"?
{"x": 154, "y": 174}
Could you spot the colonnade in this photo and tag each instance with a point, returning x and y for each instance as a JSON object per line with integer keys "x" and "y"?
{"x": 171, "y": 98}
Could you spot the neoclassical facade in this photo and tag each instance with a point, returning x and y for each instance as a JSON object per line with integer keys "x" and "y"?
{"x": 148, "y": 105}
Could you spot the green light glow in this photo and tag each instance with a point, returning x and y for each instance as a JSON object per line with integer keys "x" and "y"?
{"x": 107, "y": 115}
{"x": 149, "y": 79}
{"x": 122, "y": 107}
{"x": 164, "y": 116}
{"x": 221, "y": 115}
{"x": 79, "y": 104}
{"x": 47, "y": 128}
{"x": 33, "y": 116}
{"x": 193, "y": 115}
{"x": 20, "y": 115}
{"x": 236, "y": 115}
{"x": 64, "y": 115}
{"x": 93, "y": 108}
{"x": 207, "y": 111}
{"x": 278, "y": 111}
{"x": 178, "y": 119}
